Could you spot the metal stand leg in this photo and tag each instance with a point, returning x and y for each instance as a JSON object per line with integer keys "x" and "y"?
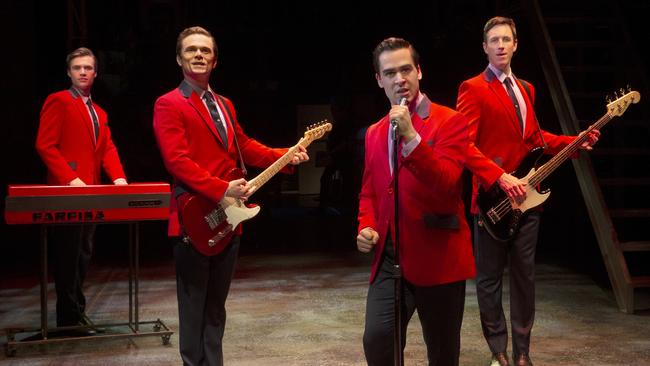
{"x": 159, "y": 328}
{"x": 44, "y": 281}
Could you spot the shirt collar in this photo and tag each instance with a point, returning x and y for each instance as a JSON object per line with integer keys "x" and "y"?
{"x": 76, "y": 93}
{"x": 186, "y": 88}
{"x": 423, "y": 105}
{"x": 500, "y": 74}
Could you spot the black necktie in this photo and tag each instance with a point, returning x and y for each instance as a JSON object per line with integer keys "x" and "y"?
{"x": 94, "y": 118}
{"x": 511, "y": 93}
{"x": 212, "y": 107}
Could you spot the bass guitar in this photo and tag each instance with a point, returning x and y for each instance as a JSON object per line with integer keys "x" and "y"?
{"x": 209, "y": 225}
{"x": 501, "y": 215}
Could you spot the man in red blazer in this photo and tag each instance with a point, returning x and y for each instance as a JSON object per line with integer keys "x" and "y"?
{"x": 75, "y": 143}
{"x": 197, "y": 130}
{"x": 501, "y": 133}
{"x": 434, "y": 239}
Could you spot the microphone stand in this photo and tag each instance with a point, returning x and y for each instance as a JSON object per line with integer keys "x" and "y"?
{"x": 397, "y": 269}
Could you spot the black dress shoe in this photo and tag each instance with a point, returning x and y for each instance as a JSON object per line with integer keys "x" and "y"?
{"x": 499, "y": 359}
{"x": 79, "y": 331}
{"x": 523, "y": 360}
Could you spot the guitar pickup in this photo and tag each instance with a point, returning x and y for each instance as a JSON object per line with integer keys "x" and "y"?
{"x": 493, "y": 216}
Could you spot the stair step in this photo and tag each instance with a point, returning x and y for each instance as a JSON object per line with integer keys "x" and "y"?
{"x": 635, "y": 246}
{"x": 640, "y": 281}
{"x": 630, "y": 213}
{"x": 625, "y": 182}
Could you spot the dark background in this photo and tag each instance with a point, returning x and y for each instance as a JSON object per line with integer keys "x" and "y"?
{"x": 273, "y": 57}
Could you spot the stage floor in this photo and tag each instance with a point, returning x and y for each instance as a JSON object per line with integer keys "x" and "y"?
{"x": 308, "y": 309}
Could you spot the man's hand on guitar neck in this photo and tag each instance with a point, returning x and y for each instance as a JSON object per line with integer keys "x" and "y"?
{"x": 592, "y": 138}
{"x": 239, "y": 188}
{"x": 514, "y": 187}
{"x": 300, "y": 156}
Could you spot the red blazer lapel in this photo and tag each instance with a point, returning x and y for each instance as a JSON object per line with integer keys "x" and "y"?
{"x": 384, "y": 126}
{"x": 504, "y": 99}
{"x": 197, "y": 104}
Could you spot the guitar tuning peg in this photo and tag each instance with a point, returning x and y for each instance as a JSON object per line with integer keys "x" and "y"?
{"x": 608, "y": 98}
{"x": 622, "y": 92}
{"x": 629, "y": 88}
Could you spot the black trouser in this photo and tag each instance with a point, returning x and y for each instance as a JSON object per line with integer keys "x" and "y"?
{"x": 491, "y": 259}
{"x": 202, "y": 287}
{"x": 440, "y": 309}
{"x": 71, "y": 247}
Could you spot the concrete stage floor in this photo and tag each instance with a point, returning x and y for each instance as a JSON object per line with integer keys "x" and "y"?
{"x": 308, "y": 309}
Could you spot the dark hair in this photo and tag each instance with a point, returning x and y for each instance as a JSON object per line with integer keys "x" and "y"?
{"x": 392, "y": 44}
{"x": 80, "y": 52}
{"x": 194, "y": 30}
{"x": 499, "y": 21}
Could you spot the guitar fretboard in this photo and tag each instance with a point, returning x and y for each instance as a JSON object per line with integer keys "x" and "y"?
{"x": 545, "y": 170}
{"x": 272, "y": 170}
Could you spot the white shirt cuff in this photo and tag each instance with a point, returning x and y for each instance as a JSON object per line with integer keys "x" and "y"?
{"x": 408, "y": 148}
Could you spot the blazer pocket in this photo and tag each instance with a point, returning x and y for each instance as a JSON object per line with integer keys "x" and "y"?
{"x": 436, "y": 221}
{"x": 73, "y": 165}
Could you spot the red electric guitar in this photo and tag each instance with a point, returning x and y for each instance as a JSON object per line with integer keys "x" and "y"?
{"x": 209, "y": 225}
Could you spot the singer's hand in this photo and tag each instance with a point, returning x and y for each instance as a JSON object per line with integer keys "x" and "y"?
{"x": 400, "y": 114}
{"x": 367, "y": 239}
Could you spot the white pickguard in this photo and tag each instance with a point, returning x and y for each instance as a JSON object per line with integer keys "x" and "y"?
{"x": 236, "y": 211}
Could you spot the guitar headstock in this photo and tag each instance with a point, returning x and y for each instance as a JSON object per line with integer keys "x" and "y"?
{"x": 318, "y": 130}
{"x": 623, "y": 100}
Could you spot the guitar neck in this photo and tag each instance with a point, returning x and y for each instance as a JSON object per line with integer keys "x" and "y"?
{"x": 545, "y": 170}
{"x": 272, "y": 170}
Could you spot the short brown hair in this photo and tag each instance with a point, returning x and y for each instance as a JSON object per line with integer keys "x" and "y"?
{"x": 194, "y": 30}
{"x": 498, "y": 21}
{"x": 393, "y": 44}
{"x": 80, "y": 52}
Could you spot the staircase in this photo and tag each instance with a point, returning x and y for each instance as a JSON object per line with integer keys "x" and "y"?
{"x": 587, "y": 52}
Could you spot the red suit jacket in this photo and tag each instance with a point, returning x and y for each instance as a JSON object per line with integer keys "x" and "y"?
{"x": 66, "y": 141}
{"x": 192, "y": 150}
{"x": 435, "y": 243}
{"x": 497, "y": 144}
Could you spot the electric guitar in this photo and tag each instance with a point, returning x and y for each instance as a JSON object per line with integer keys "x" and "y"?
{"x": 501, "y": 215}
{"x": 209, "y": 225}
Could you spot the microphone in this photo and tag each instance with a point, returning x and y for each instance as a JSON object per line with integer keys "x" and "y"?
{"x": 402, "y": 102}
{"x": 393, "y": 122}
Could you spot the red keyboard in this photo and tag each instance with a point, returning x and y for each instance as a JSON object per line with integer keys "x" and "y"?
{"x": 40, "y": 204}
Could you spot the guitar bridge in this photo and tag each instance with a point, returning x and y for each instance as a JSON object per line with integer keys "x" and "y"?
{"x": 220, "y": 235}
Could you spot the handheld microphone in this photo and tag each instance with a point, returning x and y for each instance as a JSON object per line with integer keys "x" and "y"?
{"x": 402, "y": 102}
{"x": 393, "y": 122}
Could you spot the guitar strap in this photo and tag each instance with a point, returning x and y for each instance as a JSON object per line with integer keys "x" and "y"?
{"x": 234, "y": 136}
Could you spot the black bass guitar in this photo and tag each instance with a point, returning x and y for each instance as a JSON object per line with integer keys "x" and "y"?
{"x": 500, "y": 215}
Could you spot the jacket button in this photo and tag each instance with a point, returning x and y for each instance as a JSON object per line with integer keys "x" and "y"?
{"x": 390, "y": 191}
